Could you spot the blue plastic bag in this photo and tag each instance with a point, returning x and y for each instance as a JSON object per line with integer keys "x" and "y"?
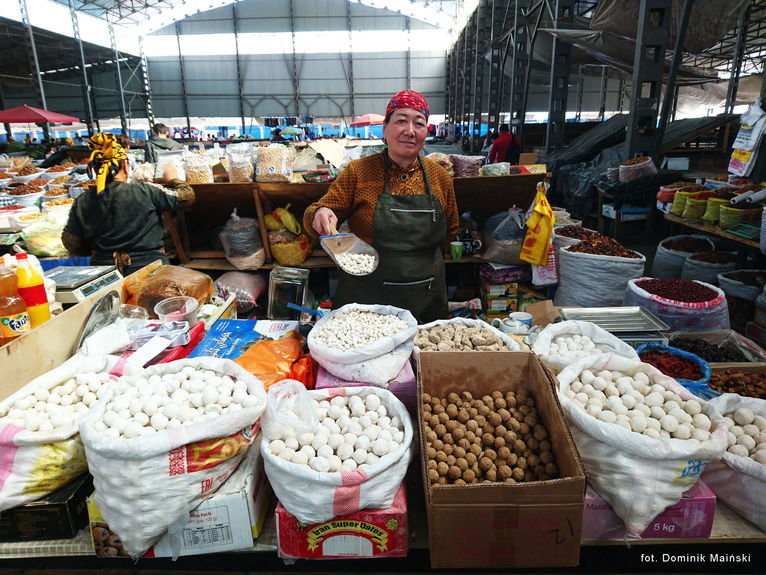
{"x": 698, "y": 387}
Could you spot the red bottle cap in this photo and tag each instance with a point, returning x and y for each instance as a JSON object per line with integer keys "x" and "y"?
{"x": 21, "y": 256}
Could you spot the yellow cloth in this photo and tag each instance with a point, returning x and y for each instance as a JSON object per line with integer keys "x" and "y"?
{"x": 105, "y": 158}
{"x": 539, "y": 230}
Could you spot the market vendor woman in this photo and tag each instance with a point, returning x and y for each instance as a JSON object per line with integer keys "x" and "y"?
{"x": 118, "y": 222}
{"x": 403, "y": 205}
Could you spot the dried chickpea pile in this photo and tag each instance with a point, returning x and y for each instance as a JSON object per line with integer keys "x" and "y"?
{"x": 743, "y": 383}
{"x": 498, "y": 438}
{"x": 459, "y": 337}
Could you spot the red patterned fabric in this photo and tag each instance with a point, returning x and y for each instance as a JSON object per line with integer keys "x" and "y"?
{"x": 407, "y": 99}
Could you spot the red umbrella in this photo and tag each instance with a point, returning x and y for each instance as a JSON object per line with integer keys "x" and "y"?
{"x": 28, "y": 114}
{"x": 367, "y": 120}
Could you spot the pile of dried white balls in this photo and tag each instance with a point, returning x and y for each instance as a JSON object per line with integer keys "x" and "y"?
{"x": 747, "y": 434}
{"x": 355, "y": 328}
{"x": 356, "y": 264}
{"x": 352, "y": 432}
{"x": 636, "y": 404}
{"x": 572, "y": 346}
{"x": 63, "y": 404}
{"x": 148, "y": 405}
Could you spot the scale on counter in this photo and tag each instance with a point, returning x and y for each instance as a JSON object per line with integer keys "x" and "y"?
{"x": 634, "y": 325}
{"x": 75, "y": 283}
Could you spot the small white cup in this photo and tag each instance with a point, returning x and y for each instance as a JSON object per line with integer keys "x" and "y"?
{"x": 508, "y": 325}
{"x": 522, "y": 316}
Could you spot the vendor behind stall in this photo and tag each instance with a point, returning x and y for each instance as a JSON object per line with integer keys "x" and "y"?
{"x": 403, "y": 205}
{"x": 118, "y": 222}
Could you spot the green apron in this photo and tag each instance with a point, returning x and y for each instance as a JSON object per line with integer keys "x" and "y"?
{"x": 409, "y": 232}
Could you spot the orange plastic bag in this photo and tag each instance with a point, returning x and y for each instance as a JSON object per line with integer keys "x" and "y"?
{"x": 148, "y": 289}
{"x": 274, "y": 360}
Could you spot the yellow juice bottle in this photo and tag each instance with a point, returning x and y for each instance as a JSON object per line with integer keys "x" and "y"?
{"x": 32, "y": 291}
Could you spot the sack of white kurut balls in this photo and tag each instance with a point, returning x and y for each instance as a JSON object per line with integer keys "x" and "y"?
{"x": 160, "y": 442}
{"x": 739, "y": 480}
{"x": 38, "y": 428}
{"x": 561, "y": 344}
{"x": 643, "y": 437}
{"x": 364, "y": 343}
{"x": 334, "y": 451}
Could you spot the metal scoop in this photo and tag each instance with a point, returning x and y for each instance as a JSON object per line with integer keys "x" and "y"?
{"x": 348, "y": 252}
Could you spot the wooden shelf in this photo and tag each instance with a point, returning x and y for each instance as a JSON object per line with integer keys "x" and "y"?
{"x": 714, "y": 230}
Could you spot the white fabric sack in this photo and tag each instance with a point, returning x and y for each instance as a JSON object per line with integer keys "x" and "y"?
{"x": 669, "y": 263}
{"x": 40, "y": 462}
{"x": 147, "y": 485}
{"x": 605, "y": 342}
{"x": 561, "y": 242}
{"x": 734, "y": 288}
{"x": 391, "y": 352}
{"x": 590, "y": 280}
{"x": 638, "y": 475}
{"x": 739, "y": 482}
{"x": 314, "y": 497}
{"x": 682, "y": 316}
{"x": 705, "y": 271}
{"x": 510, "y": 343}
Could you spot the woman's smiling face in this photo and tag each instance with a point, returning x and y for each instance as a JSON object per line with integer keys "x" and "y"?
{"x": 405, "y": 133}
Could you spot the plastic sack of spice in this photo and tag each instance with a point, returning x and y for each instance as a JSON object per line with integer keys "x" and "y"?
{"x": 289, "y": 249}
{"x": 148, "y": 288}
{"x": 739, "y": 481}
{"x": 685, "y": 305}
{"x": 598, "y": 275}
{"x": 242, "y": 244}
{"x": 240, "y": 167}
{"x": 165, "y": 158}
{"x": 638, "y": 475}
{"x": 688, "y": 369}
{"x": 637, "y": 168}
{"x": 246, "y": 288}
{"x": 199, "y": 168}
{"x": 466, "y": 166}
{"x": 498, "y": 169}
{"x": 743, "y": 284}
{"x": 275, "y": 164}
{"x": 443, "y": 160}
{"x": 673, "y": 251}
{"x": 274, "y": 360}
{"x": 706, "y": 266}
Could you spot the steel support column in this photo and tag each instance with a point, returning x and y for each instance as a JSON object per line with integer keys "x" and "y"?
{"x": 118, "y": 77}
{"x": 603, "y": 92}
{"x": 145, "y": 82}
{"x": 563, "y": 16}
{"x": 182, "y": 71}
{"x": 477, "y": 90}
{"x": 37, "y": 82}
{"x": 671, "y": 88}
{"x": 648, "y": 67}
{"x": 350, "y": 73}
{"x": 86, "y": 88}
{"x": 460, "y": 73}
{"x": 408, "y": 56}
{"x": 468, "y": 54}
{"x": 500, "y": 10}
{"x": 580, "y": 88}
{"x": 240, "y": 89}
{"x": 737, "y": 57}
{"x": 294, "y": 74}
{"x": 519, "y": 65}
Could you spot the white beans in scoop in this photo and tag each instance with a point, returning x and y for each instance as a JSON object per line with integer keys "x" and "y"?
{"x": 356, "y": 264}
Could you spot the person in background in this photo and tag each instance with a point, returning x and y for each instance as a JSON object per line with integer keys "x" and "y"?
{"x": 277, "y": 137}
{"x": 78, "y": 141}
{"x": 506, "y": 148}
{"x": 28, "y": 139}
{"x": 117, "y": 222}
{"x": 160, "y": 141}
{"x": 403, "y": 205}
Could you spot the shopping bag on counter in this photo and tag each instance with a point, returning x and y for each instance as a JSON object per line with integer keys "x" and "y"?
{"x": 537, "y": 240}
{"x": 682, "y": 316}
{"x": 669, "y": 263}
{"x": 604, "y": 341}
{"x": 314, "y": 496}
{"x": 36, "y": 463}
{"x": 591, "y": 280}
{"x": 147, "y": 485}
{"x": 739, "y": 482}
{"x": 377, "y": 362}
{"x": 639, "y": 476}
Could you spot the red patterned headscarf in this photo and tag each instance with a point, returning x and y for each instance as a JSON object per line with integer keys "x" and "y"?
{"x": 407, "y": 99}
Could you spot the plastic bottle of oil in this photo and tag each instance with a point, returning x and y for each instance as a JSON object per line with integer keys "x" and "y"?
{"x": 32, "y": 291}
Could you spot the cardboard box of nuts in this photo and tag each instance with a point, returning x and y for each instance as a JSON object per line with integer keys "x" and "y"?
{"x": 523, "y": 511}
